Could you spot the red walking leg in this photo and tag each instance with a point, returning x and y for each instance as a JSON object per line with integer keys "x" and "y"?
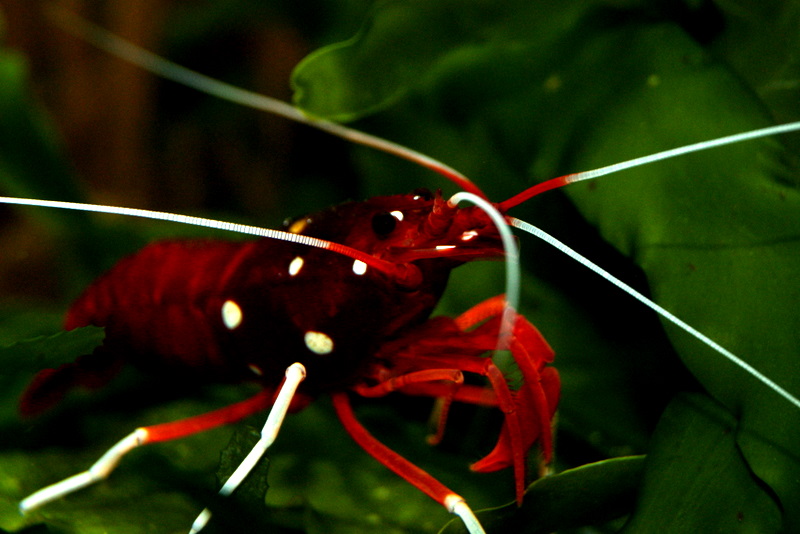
{"x": 142, "y": 436}
{"x": 414, "y": 475}
{"x": 460, "y": 344}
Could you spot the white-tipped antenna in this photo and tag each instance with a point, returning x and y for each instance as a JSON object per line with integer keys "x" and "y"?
{"x": 547, "y": 238}
{"x": 381, "y": 265}
{"x": 103, "y": 467}
{"x": 567, "y": 179}
{"x": 458, "y": 506}
{"x": 511, "y": 262}
{"x": 295, "y": 374}
{"x": 123, "y": 49}
{"x": 98, "y": 471}
{"x": 683, "y": 150}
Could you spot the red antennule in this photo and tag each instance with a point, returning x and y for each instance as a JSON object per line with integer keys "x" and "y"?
{"x": 519, "y": 198}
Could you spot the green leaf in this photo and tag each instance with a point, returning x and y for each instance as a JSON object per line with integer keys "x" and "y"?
{"x": 592, "y": 494}
{"x": 49, "y": 351}
{"x": 696, "y": 479}
{"x": 20, "y": 361}
{"x": 419, "y": 32}
{"x": 254, "y": 488}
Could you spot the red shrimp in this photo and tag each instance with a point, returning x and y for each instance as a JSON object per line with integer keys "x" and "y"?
{"x": 676, "y": 189}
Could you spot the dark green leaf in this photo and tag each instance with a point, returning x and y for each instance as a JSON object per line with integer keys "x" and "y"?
{"x": 253, "y": 490}
{"x": 21, "y": 361}
{"x": 696, "y": 479}
{"x": 589, "y": 495}
{"x": 49, "y": 351}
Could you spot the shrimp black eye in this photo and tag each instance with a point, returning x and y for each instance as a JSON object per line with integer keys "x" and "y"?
{"x": 383, "y": 224}
{"x": 422, "y": 193}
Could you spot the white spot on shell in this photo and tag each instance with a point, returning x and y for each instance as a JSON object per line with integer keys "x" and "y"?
{"x": 231, "y": 315}
{"x": 295, "y": 266}
{"x": 445, "y": 247}
{"x": 397, "y": 215}
{"x": 318, "y": 343}
{"x": 359, "y": 267}
{"x": 468, "y": 235}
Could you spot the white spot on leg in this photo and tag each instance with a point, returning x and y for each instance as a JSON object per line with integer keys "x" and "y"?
{"x": 318, "y": 343}
{"x": 231, "y": 315}
{"x": 295, "y": 266}
{"x": 359, "y": 267}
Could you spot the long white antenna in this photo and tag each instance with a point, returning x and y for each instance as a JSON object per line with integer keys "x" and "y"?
{"x": 382, "y": 265}
{"x": 561, "y": 181}
{"x": 295, "y": 374}
{"x": 103, "y": 467}
{"x": 511, "y": 262}
{"x": 683, "y": 150}
{"x": 123, "y": 49}
{"x": 547, "y": 238}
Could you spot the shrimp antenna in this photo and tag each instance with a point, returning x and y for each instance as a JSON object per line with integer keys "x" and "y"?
{"x": 511, "y": 261}
{"x": 126, "y": 50}
{"x": 402, "y": 274}
{"x": 561, "y": 181}
{"x": 550, "y": 240}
